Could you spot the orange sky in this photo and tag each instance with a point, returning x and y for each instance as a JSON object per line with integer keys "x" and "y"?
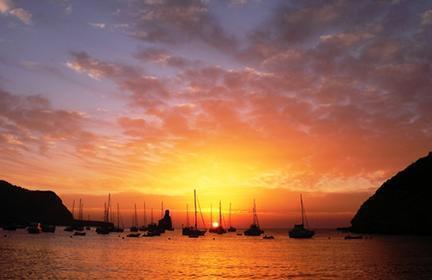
{"x": 239, "y": 99}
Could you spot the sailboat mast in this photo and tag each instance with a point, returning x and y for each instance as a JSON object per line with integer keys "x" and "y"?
{"x": 302, "y": 211}
{"x": 211, "y": 215}
{"x": 108, "y": 208}
{"x": 220, "y": 213}
{"x": 187, "y": 215}
{"x": 162, "y": 210}
{"x": 254, "y": 213}
{"x": 145, "y": 216}
{"x": 118, "y": 216}
{"x": 151, "y": 216}
{"x": 135, "y": 217}
{"x": 80, "y": 210}
{"x": 196, "y": 226}
{"x": 230, "y": 215}
{"x": 73, "y": 209}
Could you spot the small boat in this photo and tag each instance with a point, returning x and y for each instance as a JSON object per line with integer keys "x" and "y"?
{"x": 254, "y": 229}
{"x": 134, "y": 234}
{"x": 69, "y": 228}
{"x": 152, "y": 234}
{"x": 299, "y": 231}
{"x": 103, "y": 230}
{"x": 79, "y": 228}
{"x": 195, "y": 232}
{"x": 348, "y": 237}
{"x": 10, "y": 227}
{"x": 268, "y": 237}
{"x": 239, "y": 234}
{"x": 79, "y": 233}
{"x": 48, "y": 228}
{"x": 33, "y": 228}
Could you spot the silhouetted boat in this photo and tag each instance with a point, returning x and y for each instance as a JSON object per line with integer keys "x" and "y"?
{"x": 299, "y": 230}
{"x": 134, "y": 227}
{"x": 187, "y": 229}
{"x": 106, "y": 229}
{"x": 48, "y": 228}
{"x": 118, "y": 228}
{"x": 152, "y": 233}
{"x": 195, "y": 232}
{"x": 254, "y": 229}
{"x": 219, "y": 229}
{"x": 69, "y": 228}
{"x": 33, "y": 228}
{"x": 348, "y": 237}
{"x": 134, "y": 234}
{"x": 268, "y": 237}
{"x": 231, "y": 228}
{"x": 79, "y": 233}
{"x": 10, "y": 227}
{"x": 103, "y": 230}
{"x": 144, "y": 227}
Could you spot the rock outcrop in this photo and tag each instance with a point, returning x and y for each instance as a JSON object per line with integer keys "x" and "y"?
{"x": 165, "y": 223}
{"x": 22, "y": 206}
{"x": 402, "y": 205}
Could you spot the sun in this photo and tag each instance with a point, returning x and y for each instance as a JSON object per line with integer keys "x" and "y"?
{"x": 215, "y": 224}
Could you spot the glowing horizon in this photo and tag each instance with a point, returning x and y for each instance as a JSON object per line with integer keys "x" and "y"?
{"x": 148, "y": 100}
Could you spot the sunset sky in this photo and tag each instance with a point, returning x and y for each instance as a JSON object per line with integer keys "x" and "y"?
{"x": 240, "y": 99}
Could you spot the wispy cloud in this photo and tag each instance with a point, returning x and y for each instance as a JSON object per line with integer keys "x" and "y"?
{"x": 8, "y": 8}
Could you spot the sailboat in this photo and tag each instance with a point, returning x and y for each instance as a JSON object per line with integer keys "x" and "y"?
{"x": 187, "y": 229}
{"x": 254, "y": 229}
{"x": 195, "y": 232}
{"x": 299, "y": 230}
{"x": 144, "y": 227}
{"x": 152, "y": 228}
{"x": 134, "y": 227}
{"x": 79, "y": 226}
{"x": 218, "y": 229}
{"x": 33, "y": 228}
{"x": 105, "y": 229}
{"x": 71, "y": 227}
{"x": 118, "y": 228}
{"x": 231, "y": 228}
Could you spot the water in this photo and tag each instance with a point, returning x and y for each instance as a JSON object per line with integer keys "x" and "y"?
{"x": 327, "y": 256}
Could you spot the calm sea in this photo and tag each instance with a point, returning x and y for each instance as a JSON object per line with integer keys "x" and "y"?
{"x": 172, "y": 256}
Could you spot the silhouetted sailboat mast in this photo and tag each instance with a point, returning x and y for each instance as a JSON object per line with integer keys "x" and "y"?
{"x": 187, "y": 215}
{"x": 231, "y": 228}
{"x": 254, "y": 229}
{"x": 194, "y": 232}
{"x": 299, "y": 230}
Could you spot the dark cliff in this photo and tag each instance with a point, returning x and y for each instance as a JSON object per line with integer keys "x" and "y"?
{"x": 22, "y": 206}
{"x": 402, "y": 205}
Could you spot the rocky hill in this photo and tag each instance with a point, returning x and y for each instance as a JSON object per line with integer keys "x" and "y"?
{"x": 402, "y": 205}
{"x": 22, "y": 206}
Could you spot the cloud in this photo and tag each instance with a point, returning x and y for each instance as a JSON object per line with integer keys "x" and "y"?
{"x": 98, "y": 25}
{"x": 7, "y": 7}
{"x": 178, "y": 22}
{"x": 426, "y": 17}
{"x": 146, "y": 90}
{"x": 30, "y": 122}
